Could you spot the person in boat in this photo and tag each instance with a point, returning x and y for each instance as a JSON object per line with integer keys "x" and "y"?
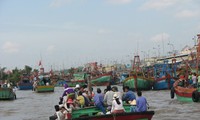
{"x": 108, "y": 97}
{"x": 80, "y": 100}
{"x": 194, "y": 79}
{"x": 117, "y": 105}
{"x": 198, "y": 81}
{"x": 67, "y": 91}
{"x": 98, "y": 101}
{"x": 115, "y": 90}
{"x": 64, "y": 112}
{"x": 76, "y": 90}
{"x": 129, "y": 95}
{"x": 105, "y": 90}
{"x": 58, "y": 113}
{"x": 141, "y": 102}
{"x": 182, "y": 80}
{"x": 86, "y": 97}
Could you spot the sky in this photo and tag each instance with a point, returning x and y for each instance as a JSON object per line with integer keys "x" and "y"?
{"x": 69, "y": 33}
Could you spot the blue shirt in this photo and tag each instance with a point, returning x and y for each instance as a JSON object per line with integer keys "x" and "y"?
{"x": 141, "y": 103}
{"x": 98, "y": 99}
{"x": 129, "y": 96}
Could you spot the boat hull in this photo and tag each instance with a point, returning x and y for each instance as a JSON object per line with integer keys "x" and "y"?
{"x": 142, "y": 84}
{"x": 48, "y": 88}
{"x": 163, "y": 84}
{"x": 121, "y": 116}
{"x": 101, "y": 81}
{"x": 25, "y": 86}
{"x": 7, "y": 94}
{"x": 90, "y": 113}
{"x": 184, "y": 94}
{"x": 74, "y": 83}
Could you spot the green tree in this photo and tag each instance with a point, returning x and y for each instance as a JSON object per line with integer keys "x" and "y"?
{"x": 27, "y": 69}
{"x": 14, "y": 77}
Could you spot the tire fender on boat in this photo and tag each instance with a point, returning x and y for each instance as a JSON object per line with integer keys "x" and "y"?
{"x": 195, "y": 96}
{"x": 172, "y": 93}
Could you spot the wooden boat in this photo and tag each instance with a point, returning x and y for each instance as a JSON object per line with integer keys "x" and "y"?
{"x": 163, "y": 83}
{"x": 184, "y": 94}
{"x": 77, "y": 79}
{"x": 140, "y": 83}
{"x": 44, "y": 85}
{"x": 24, "y": 83}
{"x": 103, "y": 80}
{"x": 7, "y": 94}
{"x": 44, "y": 88}
{"x": 91, "y": 113}
{"x": 164, "y": 76}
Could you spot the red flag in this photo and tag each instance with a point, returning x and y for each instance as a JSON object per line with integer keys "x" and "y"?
{"x": 40, "y": 63}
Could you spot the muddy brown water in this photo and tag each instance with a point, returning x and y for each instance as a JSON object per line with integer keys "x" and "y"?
{"x": 39, "y": 106}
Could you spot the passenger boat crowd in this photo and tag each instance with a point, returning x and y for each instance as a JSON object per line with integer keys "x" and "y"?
{"x": 111, "y": 101}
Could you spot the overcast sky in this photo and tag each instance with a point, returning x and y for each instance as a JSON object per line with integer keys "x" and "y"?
{"x": 66, "y": 33}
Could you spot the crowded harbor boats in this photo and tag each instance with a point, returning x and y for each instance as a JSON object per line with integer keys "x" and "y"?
{"x": 79, "y": 100}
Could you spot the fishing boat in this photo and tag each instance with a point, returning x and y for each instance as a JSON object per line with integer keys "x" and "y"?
{"x": 184, "y": 94}
{"x": 138, "y": 83}
{"x": 24, "y": 83}
{"x": 77, "y": 79}
{"x": 164, "y": 75}
{"x": 7, "y": 94}
{"x": 44, "y": 85}
{"x": 103, "y": 80}
{"x": 44, "y": 88}
{"x": 91, "y": 113}
{"x": 137, "y": 80}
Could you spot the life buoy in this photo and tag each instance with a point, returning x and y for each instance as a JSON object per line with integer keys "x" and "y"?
{"x": 195, "y": 96}
{"x": 172, "y": 93}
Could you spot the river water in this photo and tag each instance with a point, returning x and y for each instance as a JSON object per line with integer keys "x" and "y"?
{"x": 39, "y": 106}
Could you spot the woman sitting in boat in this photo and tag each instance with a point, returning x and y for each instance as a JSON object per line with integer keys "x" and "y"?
{"x": 117, "y": 105}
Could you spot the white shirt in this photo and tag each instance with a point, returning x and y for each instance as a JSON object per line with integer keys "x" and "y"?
{"x": 115, "y": 106}
{"x": 60, "y": 115}
{"x": 194, "y": 79}
{"x": 108, "y": 98}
